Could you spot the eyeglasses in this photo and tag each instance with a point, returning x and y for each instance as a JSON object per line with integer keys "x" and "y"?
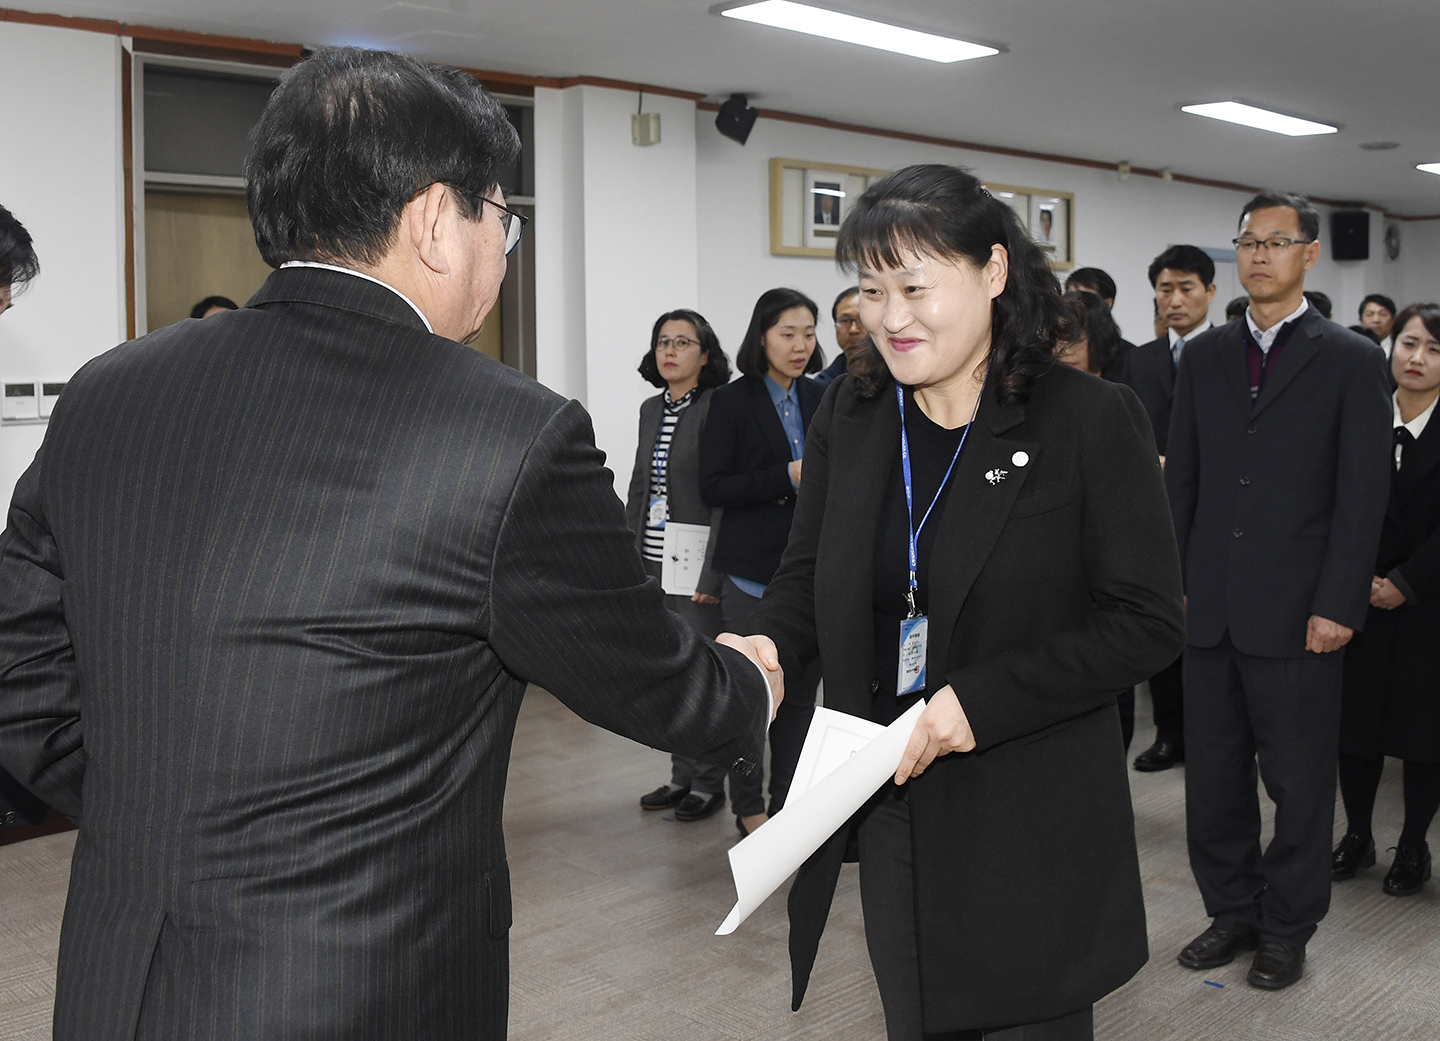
{"x": 847, "y": 320}
{"x": 680, "y": 343}
{"x": 1274, "y": 245}
{"x": 513, "y": 223}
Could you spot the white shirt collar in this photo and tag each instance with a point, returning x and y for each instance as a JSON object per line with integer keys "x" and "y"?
{"x": 1264, "y": 340}
{"x": 1416, "y": 426}
{"x": 1176, "y": 337}
{"x": 368, "y": 278}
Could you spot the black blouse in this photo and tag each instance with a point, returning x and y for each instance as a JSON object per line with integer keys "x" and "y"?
{"x": 931, "y": 449}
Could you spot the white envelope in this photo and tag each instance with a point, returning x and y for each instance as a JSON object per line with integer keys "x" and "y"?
{"x": 845, "y": 760}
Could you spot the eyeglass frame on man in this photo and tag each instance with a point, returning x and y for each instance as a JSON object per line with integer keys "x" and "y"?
{"x": 1269, "y": 244}
{"x": 508, "y": 219}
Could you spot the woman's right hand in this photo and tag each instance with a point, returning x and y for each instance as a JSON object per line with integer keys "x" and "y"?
{"x": 794, "y": 472}
{"x": 761, "y": 650}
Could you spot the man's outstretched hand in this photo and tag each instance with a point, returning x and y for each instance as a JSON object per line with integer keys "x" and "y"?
{"x": 761, "y": 650}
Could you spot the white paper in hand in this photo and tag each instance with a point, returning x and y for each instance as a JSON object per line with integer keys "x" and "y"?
{"x": 683, "y": 557}
{"x": 845, "y": 760}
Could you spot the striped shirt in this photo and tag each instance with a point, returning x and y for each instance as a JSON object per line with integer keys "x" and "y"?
{"x": 659, "y": 473}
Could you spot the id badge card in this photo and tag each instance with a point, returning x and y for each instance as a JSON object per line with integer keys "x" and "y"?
{"x": 914, "y": 641}
{"x": 658, "y": 512}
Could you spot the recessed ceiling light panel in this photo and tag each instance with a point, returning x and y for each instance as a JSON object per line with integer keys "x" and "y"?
{"x": 1429, "y": 168}
{"x": 1260, "y": 118}
{"x": 848, "y": 28}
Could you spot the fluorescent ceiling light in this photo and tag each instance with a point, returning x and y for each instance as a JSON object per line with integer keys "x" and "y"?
{"x": 1429, "y": 167}
{"x": 1259, "y": 118}
{"x": 828, "y": 191}
{"x": 816, "y": 21}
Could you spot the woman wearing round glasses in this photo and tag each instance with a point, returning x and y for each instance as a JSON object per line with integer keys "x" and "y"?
{"x": 986, "y": 529}
{"x": 686, "y": 360}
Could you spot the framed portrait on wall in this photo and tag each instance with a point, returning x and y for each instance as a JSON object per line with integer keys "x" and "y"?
{"x": 1049, "y": 216}
{"x": 808, "y": 203}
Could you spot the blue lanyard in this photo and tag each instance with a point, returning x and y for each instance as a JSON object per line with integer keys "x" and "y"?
{"x": 910, "y": 495}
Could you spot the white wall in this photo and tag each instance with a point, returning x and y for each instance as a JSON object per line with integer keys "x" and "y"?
{"x": 620, "y": 249}
{"x": 1119, "y": 226}
{"x": 1417, "y": 272}
{"x": 61, "y": 176}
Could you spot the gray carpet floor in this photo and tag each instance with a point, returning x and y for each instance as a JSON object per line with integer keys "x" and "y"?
{"x": 615, "y": 911}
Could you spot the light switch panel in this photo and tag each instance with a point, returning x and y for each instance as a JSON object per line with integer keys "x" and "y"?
{"x": 20, "y": 402}
{"x": 48, "y": 393}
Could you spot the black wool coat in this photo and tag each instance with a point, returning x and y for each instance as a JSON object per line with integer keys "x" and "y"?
{"x": 1391, "y": 700}
{"x": 1050, "y": 589}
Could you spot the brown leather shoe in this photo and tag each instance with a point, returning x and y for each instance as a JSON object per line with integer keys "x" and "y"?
{"x": 1215, "y": 947}
{"x": 1276, "y": 965}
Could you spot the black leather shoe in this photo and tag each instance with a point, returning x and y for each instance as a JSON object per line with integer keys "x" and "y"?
{"x": 663, "y": 798}
{"x": 1215, "y": 947}
{"x": 1410, "y": 871}
{"x": 696, "y": 807}
{"x": 1160, "y": 756}
{"x": 1350, "y": 856}
{"x": 1276, "y": 965}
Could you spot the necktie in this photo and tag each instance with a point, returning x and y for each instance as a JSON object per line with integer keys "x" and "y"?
{"x": 1175, "y": 349}
{"x": 1403, "y": 440}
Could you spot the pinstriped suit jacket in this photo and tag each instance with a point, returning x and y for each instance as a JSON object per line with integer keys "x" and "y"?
{"x": 269, "y": 595}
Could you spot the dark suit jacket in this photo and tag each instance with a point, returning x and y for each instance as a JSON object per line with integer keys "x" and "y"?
{"x": 1049, "y": 590}
{"x": 682, "y": 476}
{"x": 270, "y": 594}
{"x": 744, "y": 469}
{"x": 1149, "y": 370}
{"x": 1278, "y": 503}
{"x": 1391, "y": 703}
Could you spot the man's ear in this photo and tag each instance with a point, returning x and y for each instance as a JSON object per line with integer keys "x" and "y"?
{"x": 425, "y": 229}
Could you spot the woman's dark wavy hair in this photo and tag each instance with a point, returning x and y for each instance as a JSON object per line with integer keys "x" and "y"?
{"x": 943, "y": 211}
{"x": 350, "y": 136}
{"x": 1095, "y": 322}
{"x": 750, "y": 359}
{"x": 716, "y": 372}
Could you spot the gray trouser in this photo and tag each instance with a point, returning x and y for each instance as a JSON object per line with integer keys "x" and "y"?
{"x": 685, "y": 772}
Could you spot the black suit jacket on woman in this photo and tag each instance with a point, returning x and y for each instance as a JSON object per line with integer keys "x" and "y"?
{"x": 1278, "y": 502}
{"x": 269, "y": 596}
{"x": 744, "y": 468}
{"x": 1050, "y": 589}
{"x": 1391, "y": 700}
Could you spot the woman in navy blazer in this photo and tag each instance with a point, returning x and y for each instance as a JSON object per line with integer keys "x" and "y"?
{"x": 750, "y": 463}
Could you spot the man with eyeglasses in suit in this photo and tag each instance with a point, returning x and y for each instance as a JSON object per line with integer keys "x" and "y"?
{"x": 1277, "y": 467}
{"x": 849, "y": 335}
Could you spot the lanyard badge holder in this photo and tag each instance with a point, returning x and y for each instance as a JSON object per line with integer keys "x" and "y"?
{"x": 659, "y": 504}
{"x": 915, "y": 629}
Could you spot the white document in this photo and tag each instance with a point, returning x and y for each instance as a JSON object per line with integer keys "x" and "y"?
{"x": 684, "y": 557}
{"x": 845, "y": 760}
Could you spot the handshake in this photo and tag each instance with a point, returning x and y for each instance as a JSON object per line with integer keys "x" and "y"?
{"x": 942, "y": 728}
{"x": 761, "y": 650}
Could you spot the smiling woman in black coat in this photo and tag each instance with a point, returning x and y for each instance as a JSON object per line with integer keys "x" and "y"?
{"x": 1390, "y": 701}
{"x": 999, "y": 876}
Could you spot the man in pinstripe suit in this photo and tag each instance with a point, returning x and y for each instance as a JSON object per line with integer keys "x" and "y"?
{"x": 273, "y": 586}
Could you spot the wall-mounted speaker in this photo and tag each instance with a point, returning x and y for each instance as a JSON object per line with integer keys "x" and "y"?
{"x": 1350, "y": 235}
{"x": 736, "y": 118}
